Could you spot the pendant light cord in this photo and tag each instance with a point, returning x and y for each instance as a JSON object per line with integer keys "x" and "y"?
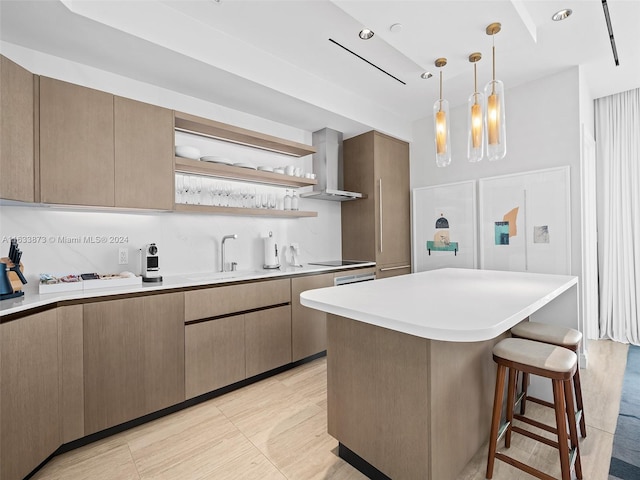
{"x": 493, "y": 52}
{"x": 475, "y": 80}
{"x": 440, "y": 90}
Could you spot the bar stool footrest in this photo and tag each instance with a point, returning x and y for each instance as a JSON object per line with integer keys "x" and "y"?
{"x": 524, "y": 467}
{"x": 540, "y": 402}
{"x": 535, "y": 436}
{"x": 535, "y": 423}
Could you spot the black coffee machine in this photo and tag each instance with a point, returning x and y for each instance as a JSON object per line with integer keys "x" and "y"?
{"x": 11, "y": 277}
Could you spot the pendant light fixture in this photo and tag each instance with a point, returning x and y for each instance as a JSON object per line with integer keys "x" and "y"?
{"x": 475, "y": 116}
{"x": 496, "y": 141}
{"x": 441, "y": 124}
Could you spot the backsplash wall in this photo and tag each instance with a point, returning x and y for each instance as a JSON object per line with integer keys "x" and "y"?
{"x": 83, "y": 240}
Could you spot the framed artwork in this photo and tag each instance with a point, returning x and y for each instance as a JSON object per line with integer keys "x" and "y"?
{"x": 525, "y": 222}
{"x": 444, "y": 226}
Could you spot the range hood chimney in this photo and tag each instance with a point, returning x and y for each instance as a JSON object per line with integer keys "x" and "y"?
{"x": 327, "y": 164}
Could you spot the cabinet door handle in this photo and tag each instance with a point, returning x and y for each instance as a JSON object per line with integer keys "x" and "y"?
{"x": 394, "y": 268}
{"x": 380, "y": 211}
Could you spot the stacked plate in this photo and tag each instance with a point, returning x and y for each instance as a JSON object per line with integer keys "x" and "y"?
{"x": 216, "y": 159}
{"x": 187, "y": 151}
{"x": 265, "y": 169}
{"x": 244, "y": 165}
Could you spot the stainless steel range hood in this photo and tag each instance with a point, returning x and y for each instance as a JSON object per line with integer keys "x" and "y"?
{"x": 327, "y": 165}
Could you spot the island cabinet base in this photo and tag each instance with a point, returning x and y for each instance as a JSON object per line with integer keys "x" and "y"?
{"x": 411, "y": 407}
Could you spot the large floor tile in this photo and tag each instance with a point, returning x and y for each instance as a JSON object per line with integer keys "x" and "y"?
{"x": 104, "y": 460}
{"x": 276, "y": 429}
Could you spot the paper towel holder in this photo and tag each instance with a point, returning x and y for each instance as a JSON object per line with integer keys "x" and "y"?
{"x": 271, "y": 254}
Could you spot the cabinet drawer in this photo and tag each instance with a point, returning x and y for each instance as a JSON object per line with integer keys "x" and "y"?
{"x": 211, "y": 302}
{"x": 308, "y": 326}
{"x": 267, "y": 339}
{"x": 386, "y": 271}
{"x": 214, "y": 354}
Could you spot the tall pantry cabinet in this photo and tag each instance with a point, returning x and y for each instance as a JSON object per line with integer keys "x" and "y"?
{"x": 377, "y": 228}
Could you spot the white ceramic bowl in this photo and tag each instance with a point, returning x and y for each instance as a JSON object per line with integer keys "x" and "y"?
{"x": 187, "y": 151}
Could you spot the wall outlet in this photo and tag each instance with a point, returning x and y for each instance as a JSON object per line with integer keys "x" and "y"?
{"x": 123, "y": 256}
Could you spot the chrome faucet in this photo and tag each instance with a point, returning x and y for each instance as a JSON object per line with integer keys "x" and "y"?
{"x": 224, "y": 239}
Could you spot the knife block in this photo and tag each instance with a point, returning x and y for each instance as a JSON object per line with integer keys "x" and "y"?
{"x": 16, "y": 284}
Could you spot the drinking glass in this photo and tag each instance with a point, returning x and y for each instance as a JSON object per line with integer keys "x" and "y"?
{"x": 197, "y": 184}
{"x": 179, "y": 188}
{"x": 187, "y": 188}
{"x": 213, "y": 192}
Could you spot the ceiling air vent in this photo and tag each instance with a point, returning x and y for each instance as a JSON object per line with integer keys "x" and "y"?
{"x": 610, "y": 29}
{"x": 367, "y": 61}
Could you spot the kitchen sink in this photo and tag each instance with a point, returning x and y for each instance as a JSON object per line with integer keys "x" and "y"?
{"x": 203, "y": 277}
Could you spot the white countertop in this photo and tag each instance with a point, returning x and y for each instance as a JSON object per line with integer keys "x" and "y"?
{"x": 457, "y": 305}
{"x": 32, "y": 299}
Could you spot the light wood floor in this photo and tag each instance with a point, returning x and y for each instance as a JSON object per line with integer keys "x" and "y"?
{"x": 276, "y": 429}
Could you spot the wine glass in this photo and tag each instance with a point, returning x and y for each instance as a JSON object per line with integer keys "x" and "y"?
{"x": 179, "y": 188}
{"x": 197, "y": 189}
{"x": 186, "y": 188}
{"x": 211, "y": 189}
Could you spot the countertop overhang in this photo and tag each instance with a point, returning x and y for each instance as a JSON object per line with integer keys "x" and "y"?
{"x": 33, "y": 300}
{"x": 457, "y": 305}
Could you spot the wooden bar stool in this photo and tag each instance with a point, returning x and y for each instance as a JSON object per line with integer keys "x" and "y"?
{"x": 562, "y": 337}
{"x": 555, "y": 363}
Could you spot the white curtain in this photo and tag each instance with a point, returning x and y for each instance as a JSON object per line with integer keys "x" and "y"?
{"x": 618, "y": 139}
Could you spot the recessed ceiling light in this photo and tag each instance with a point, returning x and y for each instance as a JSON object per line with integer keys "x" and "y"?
{"x": 561, "y": 14}
{"x": 396, "y": 27}
{"x": 426, "y": 75}
{"x": 365, "y": 34}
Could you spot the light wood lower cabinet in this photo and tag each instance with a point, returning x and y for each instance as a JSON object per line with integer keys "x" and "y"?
{"x": 133, "y": 358}
{"x": 29, "y": 399}
{"x": 308, "y": 326}
{"x": 222, "y": 351}
{"x": 71, "y": 367}
{"x": 267, "y": 339}
{"x": 230, "y": 299}
{"x": 214, "y": 354}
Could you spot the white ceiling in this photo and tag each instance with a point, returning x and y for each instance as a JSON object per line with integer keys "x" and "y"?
{"x": 274, "y": 58}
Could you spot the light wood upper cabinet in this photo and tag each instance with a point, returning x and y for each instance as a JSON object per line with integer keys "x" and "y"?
{"x": 377, "y": 228}
{"x": 133, "y": 358}
{"x": 29, "y": 398}
{"x": 16, "y": 132}
{"x": 76, "y": 144}
{"x": 143, "y": 155}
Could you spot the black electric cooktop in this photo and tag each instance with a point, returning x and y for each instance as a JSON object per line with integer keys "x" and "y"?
{"x": 338, "y": 263}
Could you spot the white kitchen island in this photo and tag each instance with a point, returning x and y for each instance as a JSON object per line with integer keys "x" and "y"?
{"x": 410, "y": 375}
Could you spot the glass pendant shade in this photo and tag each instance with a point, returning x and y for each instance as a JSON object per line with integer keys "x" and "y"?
{"x": 441, "y": 132}
{"x": 496, "y": 137}
{"x": 476, "y": 127}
